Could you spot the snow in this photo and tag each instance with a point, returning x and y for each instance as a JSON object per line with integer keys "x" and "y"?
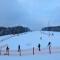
{"x": 30, "y": 39}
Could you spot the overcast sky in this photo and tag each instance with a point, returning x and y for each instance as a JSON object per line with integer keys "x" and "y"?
{"x": 31, "y": 13}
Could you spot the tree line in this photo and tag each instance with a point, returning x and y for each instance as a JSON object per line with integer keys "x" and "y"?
{"x": 13, "y": 30}
{"x": 52, "y": 28}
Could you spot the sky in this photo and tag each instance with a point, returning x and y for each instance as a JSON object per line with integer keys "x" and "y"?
{"x": 34, "y": 14}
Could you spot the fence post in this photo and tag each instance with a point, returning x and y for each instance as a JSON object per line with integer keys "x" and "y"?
{"x": 20, "y": 52}
{"x": 0, "y": 51}
{"x": 33, "y": 51}
{"x": 50, "y": 49}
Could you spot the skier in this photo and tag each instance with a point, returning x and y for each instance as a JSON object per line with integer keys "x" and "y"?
{"x": 49, "y": 45}
{"x": 39, "y": 46}
{"x": 7, "y": 50}
{"x": 19, "y": 49}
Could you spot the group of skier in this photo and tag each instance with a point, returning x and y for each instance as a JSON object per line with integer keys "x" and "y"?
{"x": 7, "y": 50}
{"x": 39, "y": 48}
{"x": 49, "y": 46}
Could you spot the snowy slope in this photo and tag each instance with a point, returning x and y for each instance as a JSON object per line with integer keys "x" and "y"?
{"x": 30, "y": 39}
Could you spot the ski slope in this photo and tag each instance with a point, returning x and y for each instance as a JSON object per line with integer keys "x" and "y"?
{"x": 30, "y": 39}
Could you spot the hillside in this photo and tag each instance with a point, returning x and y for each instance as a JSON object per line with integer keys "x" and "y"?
{"x": 13, "y": 30}
{"x": 52, "y": 28}
{"x": 28, "y": 40}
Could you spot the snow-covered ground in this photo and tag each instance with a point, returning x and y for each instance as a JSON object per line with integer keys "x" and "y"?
{"x": 30, "y": 39}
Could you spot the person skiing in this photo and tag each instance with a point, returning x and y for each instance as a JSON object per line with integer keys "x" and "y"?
{"x": 49, "y": 45}
{"x": 39, "y": 46}
{"x": 7, "y": 50}
{"x": 18, "y": 48}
